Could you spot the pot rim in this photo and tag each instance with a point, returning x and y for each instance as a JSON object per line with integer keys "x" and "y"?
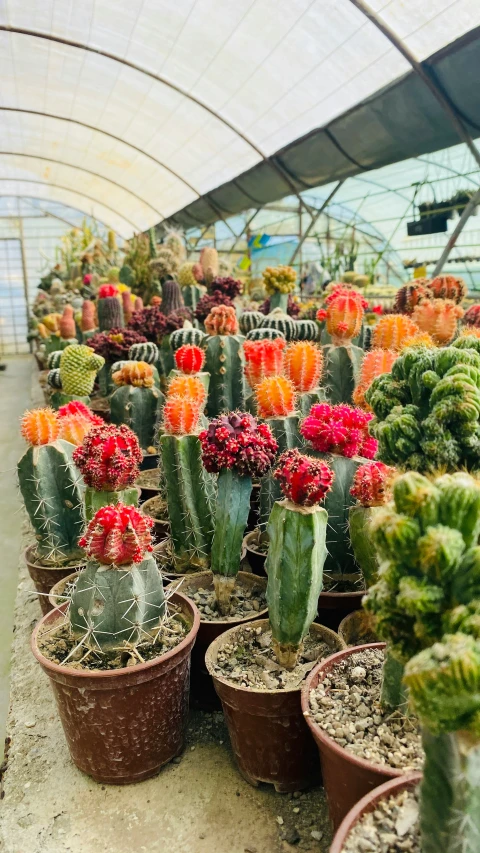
{"x": 319, "y": 734}
{"x": 258, "y": 623}
{"x": 27, "y": 557}
{"x": 155, "y": 518}
{"x": 234, "y": 622}
{"x": 55, "y": 668}
{"x": 367, "y": 804}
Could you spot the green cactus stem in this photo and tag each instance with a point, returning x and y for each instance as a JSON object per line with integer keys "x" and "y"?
{"x": 189, "y": 494}
{"x": 341, "y": 371}
{"x": 225, "y": 362}
{"x": 359, "y": 520}
{"x": 52, "y": 490}
{"x": 95, "y": 498}
{"x": 233, "y": 507}
{"x": 307, "y": 399}
{"x": 279, "y": 300}
{"x": 114, "y": 607}
{"x": 110, "y": 313}
{"x": 294, "y": 566}
{"x": 287, "y": 435}
{"x": 139, "y": 409}
{"x": 58, "y": 398}
{"x": 191, "y": 295}
{"x": 392, "y": 691}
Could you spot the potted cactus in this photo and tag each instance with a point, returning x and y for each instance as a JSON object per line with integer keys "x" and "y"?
{"x": 426, "y": 542}
{"x": 78, "y": 366}
{"x": 108, "y": 459}
{"x": 371, "y": 489}
{"x": 224, "y": 361}
{"x": 120, "y": 646}
{"x": 304, "y": 366}
{"x": 260, "y": 695}
{"x": 342, "y": 360}
{"x": 189, "y": 361}
{"x": 137, "y": 401}
{"x": 52, "y": 491}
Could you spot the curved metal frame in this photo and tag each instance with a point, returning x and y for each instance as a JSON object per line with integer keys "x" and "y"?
{"x": 29, "y": 199}
{"x": 81, "y": 169}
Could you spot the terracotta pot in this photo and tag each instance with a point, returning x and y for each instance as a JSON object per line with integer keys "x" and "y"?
{"x": 254, "y": 557}
{"x": 368, "y": 803}
{"x": 45, "y": 577}
{"x": 358, "y": 629}
{"x": 269, "y": 736}
{"x": 161, "y": 527}
{"x": 150, "y": 460}
{"x": 334, "y": 606}
{"x": 56, "y": 597}
{"x": 346, "y": 777}
{"x": 202, "y": 692}
{"x": 123, "y": 725}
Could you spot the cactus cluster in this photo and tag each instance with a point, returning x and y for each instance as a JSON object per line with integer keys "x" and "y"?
{"x": 427, "y": 409}
{"x": 339, "y": 429}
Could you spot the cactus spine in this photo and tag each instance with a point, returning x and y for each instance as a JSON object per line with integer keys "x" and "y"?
{"x": 341, "y": 371}
{"x": 224, "y": 361}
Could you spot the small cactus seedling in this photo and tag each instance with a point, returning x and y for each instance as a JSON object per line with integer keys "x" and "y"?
{"x": 438, "y": 317}
{"x": 189, "y": 488}
{"x": 374, "y": 364}
{"x": 297, "y": 533}
{"x": 263, "y": 358}
{"x": 237, "y": 448}
{"x": 137, "y": 401}
{"x": 391, "y": 331}
{"x": 372, "y": 488}
{"x": 51, "y": 488}
{"x": 118, "y": 600}
{"x": 108, "y": 458}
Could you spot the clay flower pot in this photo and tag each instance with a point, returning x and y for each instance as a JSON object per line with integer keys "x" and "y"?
{"x": 161, "y": 527}
{"x": 346, "y": 777}
{"x": 57, "y": 592}
{"x": 269, "y": 736}
{"x": 202, "y": 691}
{"x": 123, "y": 725}
{"x": 368, "y": 803}
{"x": 334, "y": 606}
{"x": 45, "y": 577}
{"x": 358, "y": 629}
{"x": 255, "y": 558}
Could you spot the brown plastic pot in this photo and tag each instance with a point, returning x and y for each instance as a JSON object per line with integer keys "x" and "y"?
{"x": 358, "y": 629}
{"x": 150, "y": 460}
{"x": 254, "y": 557}
{"x": 161, "y": 527}
{"x": 56, "y": 597}
{"x": 269, "y": 736}
{"x": 346, "y": 777}
{"x": 254, "y": 514}
{"x": 147, "y": 492}
{"x": 368, "y": 803}
{"x": 202, "y": 692}
{"x": 45, "y": 577}
{"x": 334, "y": 606}
{"x": 123, "y": 725}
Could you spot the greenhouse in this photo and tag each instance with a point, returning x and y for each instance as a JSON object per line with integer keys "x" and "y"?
{"x": 240, "y": 373}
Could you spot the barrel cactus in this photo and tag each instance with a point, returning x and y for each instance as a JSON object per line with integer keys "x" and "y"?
{"x": 374, "y": 363}
{"x": 136, "y": 401}
{"x": 118, "y": 600}
{"x": 147, "y": 351}
{"x": 307, "y": 330}
{"x": 250, "y": 320}
{"x": 392, "y": 330}
{"x": 51, "y": 488}
{"x": 263, "y": 333}
{"x": 187, "y": 335}
{"x": 237, "y": 448}
{"x": 108, "y": 459}
{"x": 278, "y": 321}
{"x": 297, "y": 531}
{"x": 438, "y": 317}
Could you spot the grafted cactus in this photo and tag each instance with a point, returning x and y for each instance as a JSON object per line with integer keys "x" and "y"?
{"x": 438, "y": 317}
{"x": 237, "y": 448}
{"x": 472, "y": 316}
{"x": 342, "y": 360}
{"x": 108, "y": 459}
{"x": 448, "y": 287}
{"x": 297, "y": 532}
{"x": 109, "y": 308}
{"x": 408, "y": 296}
{"x": 187, "y": 335}
{"x": 392, "y": 330}
{"x": 278, "y": 321}
{"x": 250, "y": 320}
{"x": 303, "y": 366}
{"x": 118, "y": 600}
{"x": 263, "y": 358}
{"x": 137, "y": 401}
{"x": 427, "y": 409}
{"x": 279, "y": 282}
{"x": 52, "y": 489}
{"x": 375, "y": 363}
{"x": 224, "y": 361}
{"x": 88, "y": 323}
{"x": 371, "y": 489}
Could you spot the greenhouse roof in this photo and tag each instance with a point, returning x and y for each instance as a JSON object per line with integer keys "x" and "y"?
{"x": 193, "y": 111}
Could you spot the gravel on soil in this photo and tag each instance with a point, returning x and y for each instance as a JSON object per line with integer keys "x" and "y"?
{"x": 249, "y": 661}
{"x": 246, "y": 602}
{"x": 346, "y": 705}
{"x": 157, "y": 508}
{"x": 393, "y": 827}
{"x": 148, "y": 479}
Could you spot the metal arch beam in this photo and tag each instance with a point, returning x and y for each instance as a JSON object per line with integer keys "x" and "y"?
{"x": 82, "y": 169}
{"x": 175, "y": 87}
{"x": 70, "y": 190}
{"x": 447, "y": 105}
{"x": 29, "y": 199}
{"x": 447, "y": 169}
{"x": 313, "y": 221}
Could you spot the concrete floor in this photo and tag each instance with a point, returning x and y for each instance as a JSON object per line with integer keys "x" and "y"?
{"x": 199, "y": 804}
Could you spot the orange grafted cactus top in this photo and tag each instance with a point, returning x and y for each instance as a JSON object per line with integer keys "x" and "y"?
{"x": 40, "y": 426}
{"x": 374, "y": 364}
{"x": 75, "y": 426}
{"x": 275, "y": 397}
{"x": 391, "y": 331}
{"x": 263, "y": 358}
{"x": 187, "y": 386}
{"x": 439, "y": 318}
{"x": 344, "y": 316}
{"x": 303, "y": 365}
{"x": 136, "y": 373}
{"x": 180, "y": 415}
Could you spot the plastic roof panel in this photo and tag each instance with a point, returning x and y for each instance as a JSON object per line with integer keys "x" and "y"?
{"x": 206, "y": 89}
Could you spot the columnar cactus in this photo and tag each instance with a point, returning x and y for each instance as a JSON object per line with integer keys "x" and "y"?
{"x": 172, "y": 298}
{"x": 375, "y": 363}
{"x": 137, "y": 401}
{"x": 224, "y": 361}
{"x": 108, "y": 459}
{"x": 263, "y": 358}
{"x": 189, "y": 488}
{"x": 297, "y": 532}
{"x": 392, "y": 330}
{"x": 109, "y": 308}
{"x": 427, "y": 409}
{"x": 438, "y": 317}
{"x": 51, "y": 488}
{"x": 237, "y": 448}
{"x": 127, "y": 306}
{"x": 371, "y": 489}
{"x": 123, "y": 577}
{"x": 279, "y": 282}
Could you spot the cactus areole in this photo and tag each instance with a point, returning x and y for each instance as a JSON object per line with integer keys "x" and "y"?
{"x": 237, "y": 448}
{"x": 297, "y": 532}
